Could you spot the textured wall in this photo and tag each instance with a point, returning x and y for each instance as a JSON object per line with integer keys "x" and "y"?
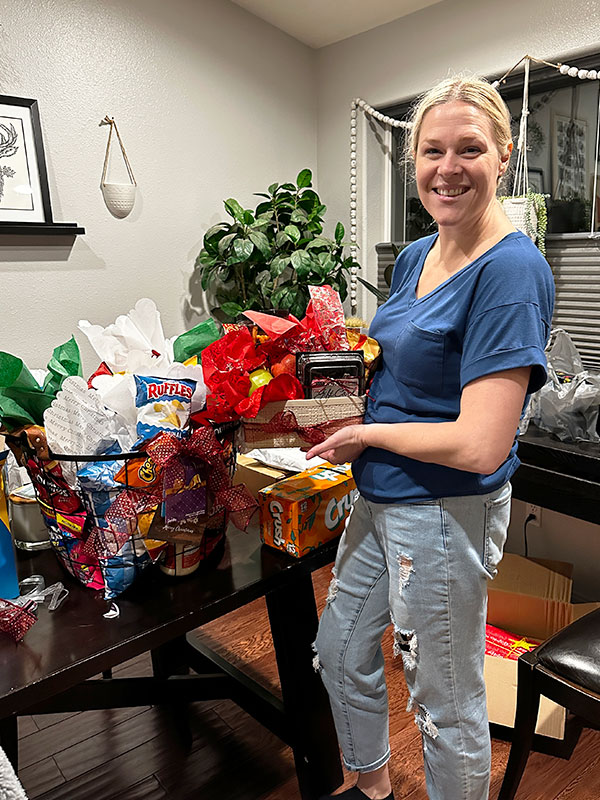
{"x": 211, "y": 103}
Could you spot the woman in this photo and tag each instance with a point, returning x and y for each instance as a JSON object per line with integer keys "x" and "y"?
{"x": 462, "y": 336}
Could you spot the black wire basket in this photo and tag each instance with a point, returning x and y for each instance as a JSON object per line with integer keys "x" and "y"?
{"x": 109, "y": 516}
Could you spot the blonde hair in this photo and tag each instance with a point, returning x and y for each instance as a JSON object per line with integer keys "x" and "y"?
{"x": 475, "y": 91}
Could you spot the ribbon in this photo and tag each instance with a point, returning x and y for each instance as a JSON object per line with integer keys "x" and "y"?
{"x": 166, "y": 451}
{"x": 286, "y": 422}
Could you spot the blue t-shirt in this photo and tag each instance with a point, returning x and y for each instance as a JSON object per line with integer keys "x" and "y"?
{"x": 492, "y": 315}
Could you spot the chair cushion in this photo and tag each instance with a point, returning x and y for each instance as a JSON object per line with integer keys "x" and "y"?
{"x": 574, "y": 652}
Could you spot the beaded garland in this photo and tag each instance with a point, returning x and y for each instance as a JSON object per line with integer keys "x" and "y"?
{"x": 357, "y": 102}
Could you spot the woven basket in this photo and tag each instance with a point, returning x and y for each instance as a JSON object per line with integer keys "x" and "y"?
{"x": 299, "y": 423}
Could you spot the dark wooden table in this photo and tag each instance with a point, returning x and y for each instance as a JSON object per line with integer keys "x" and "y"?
{"x": 50, "y": 670}
{"x": 561, "y": 476}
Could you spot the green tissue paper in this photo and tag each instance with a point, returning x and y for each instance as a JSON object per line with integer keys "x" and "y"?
{"x": 192, "y": 342}
{"x": 22, "y": 400}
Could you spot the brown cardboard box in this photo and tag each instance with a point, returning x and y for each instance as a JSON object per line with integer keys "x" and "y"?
{"x": 255, "y": 476}
{"x": 529, "y": 598}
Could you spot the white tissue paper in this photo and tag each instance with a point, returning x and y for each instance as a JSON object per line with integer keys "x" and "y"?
{"x": 292, "y": 459}
{"x": 135, "y": 342}
{"x": 77, "y": 424}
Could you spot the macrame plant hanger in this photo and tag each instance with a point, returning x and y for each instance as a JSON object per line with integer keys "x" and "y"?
{"x": 519, "y": 208}
{"x": 119, "y": 197}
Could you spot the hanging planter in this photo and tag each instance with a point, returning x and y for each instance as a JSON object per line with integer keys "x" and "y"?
{"x": 118, "y": 197}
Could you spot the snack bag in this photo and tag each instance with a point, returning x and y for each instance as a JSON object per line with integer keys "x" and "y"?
{"x": 163, "y": 405}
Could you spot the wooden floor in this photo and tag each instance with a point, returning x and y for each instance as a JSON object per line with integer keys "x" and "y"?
{"x": 135, "y": 754}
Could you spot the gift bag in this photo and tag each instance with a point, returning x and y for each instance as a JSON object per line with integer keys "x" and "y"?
{"x": 567, "y": 405}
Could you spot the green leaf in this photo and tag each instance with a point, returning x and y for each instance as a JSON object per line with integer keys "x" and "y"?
{"x": 243, "y": 249}
{"x": 261, "y": 242}
{"x": 293, "y": 232}
{"x": 319, "y": 241}
{"x": 282, "y": 238}
{"x": 373, "y": 289}
{"x": 225, "y": 242}
{"x": 339, "y": 232}
{"x": 248, "y": 218}
{"x": 278, "y": 265}
{"x": 215, "y": 229}
{"x": 273, "y": 188}
{"x": 288, "y": 187}
{"x": 204, "y": 257}
{"x": 304, "y": 179}
{"x": 231, "y": 309}
{"x": 234, "y": 209}
{"x": 299, "y": 215}
{"x": 300, "y": 259}
{"x": 264, "y": 280}
{"x": 262, "y": 194}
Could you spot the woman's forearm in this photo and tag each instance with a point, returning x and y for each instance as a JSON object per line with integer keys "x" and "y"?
{"x": 445, "y": 443}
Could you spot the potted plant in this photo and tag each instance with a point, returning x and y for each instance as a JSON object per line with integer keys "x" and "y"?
{"x": 266, "y": 258}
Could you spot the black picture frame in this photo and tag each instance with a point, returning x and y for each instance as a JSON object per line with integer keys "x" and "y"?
{"x": 24, "y": 191}
{"x": 535, "y": 176}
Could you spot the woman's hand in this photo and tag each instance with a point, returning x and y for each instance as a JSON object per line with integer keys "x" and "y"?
{"x": 344, "y": 445}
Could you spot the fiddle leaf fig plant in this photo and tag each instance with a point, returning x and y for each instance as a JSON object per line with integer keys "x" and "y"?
{"x": 266, "y": 258}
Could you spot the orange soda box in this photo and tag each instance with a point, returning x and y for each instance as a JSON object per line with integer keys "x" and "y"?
{"x": 305, "y": 510}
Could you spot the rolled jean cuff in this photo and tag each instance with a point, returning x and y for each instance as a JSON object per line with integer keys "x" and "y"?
{"x": 368, "y": 767}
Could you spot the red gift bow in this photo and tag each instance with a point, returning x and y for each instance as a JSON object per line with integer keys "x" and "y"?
{"x": 166, "y": 450}
{"x": 286, "y": 422}
{"x": 16, "y": 620}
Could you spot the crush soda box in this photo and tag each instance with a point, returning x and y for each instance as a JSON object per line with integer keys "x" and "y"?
{"x": 302, "y": 512}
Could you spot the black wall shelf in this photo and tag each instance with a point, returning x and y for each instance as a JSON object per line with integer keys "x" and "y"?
{"x": 43, "y": 228}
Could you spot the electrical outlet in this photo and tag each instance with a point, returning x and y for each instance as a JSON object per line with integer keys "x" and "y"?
{"x": 536, "y": 512}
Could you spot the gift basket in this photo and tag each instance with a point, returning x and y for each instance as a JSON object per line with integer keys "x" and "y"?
{"x": 123, "y": 474}
{"x": 292, "y": 382}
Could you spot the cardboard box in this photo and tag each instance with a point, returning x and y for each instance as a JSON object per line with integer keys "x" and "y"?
{"x": 255, "y": 475}
{"x": 304, "y": 511}
{"x": 530, "y": 598}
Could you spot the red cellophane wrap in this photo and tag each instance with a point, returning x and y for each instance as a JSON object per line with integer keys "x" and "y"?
{"x": 16, "y": 620}
{"x": 228, "y": 362}
{"x": 506, "y": 645}
{"x": 325, "y": 315}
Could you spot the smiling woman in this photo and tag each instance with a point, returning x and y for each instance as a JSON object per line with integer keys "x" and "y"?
{"x": 462, "y": 338}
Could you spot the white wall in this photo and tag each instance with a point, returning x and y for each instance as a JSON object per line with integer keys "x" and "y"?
{"x": 399, "y": 60}
{"x": 211, "y": 103}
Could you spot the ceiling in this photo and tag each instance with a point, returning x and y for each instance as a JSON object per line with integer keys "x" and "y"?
{"x": 321, "y": 22}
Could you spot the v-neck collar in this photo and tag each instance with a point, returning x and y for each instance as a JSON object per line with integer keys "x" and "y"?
{"x": 425, "y": 253}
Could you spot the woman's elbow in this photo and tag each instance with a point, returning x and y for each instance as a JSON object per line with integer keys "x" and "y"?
{"x": 484, "y": 458}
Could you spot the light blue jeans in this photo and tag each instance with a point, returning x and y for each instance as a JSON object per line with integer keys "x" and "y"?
{"x": 425, "y": 566}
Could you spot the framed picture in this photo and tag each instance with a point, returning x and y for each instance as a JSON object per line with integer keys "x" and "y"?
{"x": 569, "y": 172}
{"x": 24, "y": 194}
{"x": 535, "y": 176}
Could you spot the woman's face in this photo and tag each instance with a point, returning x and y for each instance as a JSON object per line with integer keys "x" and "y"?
{"x": 458, "y": 164}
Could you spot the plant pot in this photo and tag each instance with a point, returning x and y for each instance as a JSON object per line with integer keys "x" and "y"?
{"x": 119, "y": 198}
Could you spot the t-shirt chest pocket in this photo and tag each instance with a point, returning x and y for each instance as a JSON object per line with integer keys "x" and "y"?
{"x": 418, "y": 358}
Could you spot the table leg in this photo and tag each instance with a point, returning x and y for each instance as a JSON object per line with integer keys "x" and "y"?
{"x": 167, "y": 660}
{"x": 294, "y": 620}
{"x": 9, "y": 740}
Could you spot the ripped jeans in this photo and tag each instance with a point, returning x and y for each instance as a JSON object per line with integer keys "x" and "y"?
{"x": 424, "y": 565}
